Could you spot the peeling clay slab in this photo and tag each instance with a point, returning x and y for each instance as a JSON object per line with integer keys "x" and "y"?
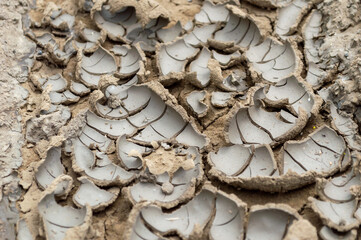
{"x": 289, "y": 17}
{"x": 89, "y": 194}
{"x": 200, "y": 67}
{"x": 240, "y": 31}
{"x": 129, "y": 62}
{"x": 255, "y": 125}
{"x": 321, "y": 154}
{"x": 338, "y": 204}
{"x": 211, "y": 13}
{"x": 57, "y": 82}
{"x": 173, "y": 57}
{"x": 272, "y": 61}
{"x": 90, "y": 69}
{"x": 98, "y": 167}
{"x": 195, "y": 101}
{"x": 59, "y": 221}
{"x": 50, "y": 168}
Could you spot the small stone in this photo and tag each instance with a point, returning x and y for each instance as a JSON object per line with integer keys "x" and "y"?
{"x": 114, "y": 101}
{"x": 167, "y": 188}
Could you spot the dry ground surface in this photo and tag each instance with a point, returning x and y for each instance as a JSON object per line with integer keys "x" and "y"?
{"x": 29, "y": 129}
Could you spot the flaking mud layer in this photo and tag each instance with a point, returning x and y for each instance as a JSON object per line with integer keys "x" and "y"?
{"x": 137, "y": 110}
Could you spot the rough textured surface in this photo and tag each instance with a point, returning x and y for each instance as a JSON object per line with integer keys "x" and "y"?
{"x": 239, "y": 59}
{"x": 13, "y": 48}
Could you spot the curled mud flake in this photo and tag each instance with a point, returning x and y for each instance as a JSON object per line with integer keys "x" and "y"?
{"x": 63, "y": 56}
{"x": 148, "y": 12}
{"x": 273, "y": 61}
{"x": 234, "y": 82}
{"x": 112, "y": 23}
{"x": 64, "y": 22}
{"x": 311, "y": 32}
{"x": 120, "y": 50}
{"x": 89, "y": 39}
{"x": 196, "y": 102}
{"x": 185, "y": 221}
{"x": 338, "y": 207}
{"x": 327, "y": 233}
{"x": 221, "y": 99}
{"x": 50, "y": 168}
{"x": 211, "y": 13}
{"x": 242, "y": 130}
{"x": 65, "y": 97}
{"x": 99, "y": 168}
{"x": 94, "y": 139}
{"x": 45, "y": 39}
{"x": 337, "y": 189}
{"x": 146, "y": 37}
{"x": 170, "y": 125}
{"x": 244, "y": 162}
{"x": 125, "y": 101}
{"x": 89, "y": 194}
{"x": 346, "y": 126}
{"x": 190, "y": 137}
{"x": 315, "y": 74}
{"x": 270, "y": 221}
{"x": 127, "y": 152}
{"x": 53, "y": 52}
{"x": 57, "y": 82}
{"x": 87, "y": 47}
{"x": 79, "y": 89}
{"x": 339, "y": 216}
{"x": 169, "y": 34}
{"x": 228, "y": 222}
{"x": 199, "y": 66}
{"x": 297, "y": 95}
{"x": 323, "y": 152}
{"x": 61, "y": 221}
{"x": 90, "y": 35}
{"x": 113, "y": 128}
{"x": 200, "y": 35}
{"x": 239, "y": 31}
{"x": 289, "y": 17}
{"x": 90, "y": 69}
{"x": 170, "y": 177}
{"x": 255, "y": 125}
{"x": 140, "y": 232}
{"x": 226, "y": 60}
{"x": 129, "y": 62}
{"x": 173, "y": 57}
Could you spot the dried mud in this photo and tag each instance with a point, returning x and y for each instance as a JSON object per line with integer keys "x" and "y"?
{"x": 40, "y": 113}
